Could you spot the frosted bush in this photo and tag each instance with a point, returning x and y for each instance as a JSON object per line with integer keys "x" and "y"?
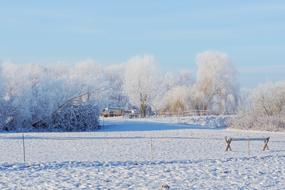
{"x": 176, "y": 100}
{"x": 33, "y": 93}
{"x": 265, "y": 109}
{"x": 76, "y": 118}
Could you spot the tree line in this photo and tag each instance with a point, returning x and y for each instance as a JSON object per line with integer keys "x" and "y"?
{"x": 70, "y": 97}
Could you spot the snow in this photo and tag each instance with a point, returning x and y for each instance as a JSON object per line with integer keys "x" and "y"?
{"x": 140, "y": 154}
{"x": 206, "y": 121}
{"x": 237, "y": 173}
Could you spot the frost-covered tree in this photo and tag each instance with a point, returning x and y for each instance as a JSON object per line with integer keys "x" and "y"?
{"x": 35, "y": 94}
{"x": 88, "y": 77}
{"x": 141, "y": 82}
{"x": 185, "y": 78}
{"x": 216, "y": 88}
{"x": 16, "y": 85}
{"x": 71, "y": 95}
{"x": 171, "y": 79}
{"x": 176, "y": 100}
{"x": 1, "y": 82}
{"x": 2, "y": 108}
{"x": 174, "y": 92}
{"x": 115, "y": 96}
{"x": 2, "y": 89}
{"x": 104, "y": 85}
{"x": 265, "y": 108}
{"x": 269, "y": 99}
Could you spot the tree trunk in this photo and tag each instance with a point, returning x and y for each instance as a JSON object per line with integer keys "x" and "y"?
{"x": 143, "y": 110}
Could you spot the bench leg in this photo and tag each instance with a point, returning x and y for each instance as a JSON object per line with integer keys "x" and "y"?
{"x": 265, "y": 147}
{"x": 228, "y": 142}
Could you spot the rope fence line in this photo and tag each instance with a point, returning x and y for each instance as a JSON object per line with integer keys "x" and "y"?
{"x": 107, "y": 145}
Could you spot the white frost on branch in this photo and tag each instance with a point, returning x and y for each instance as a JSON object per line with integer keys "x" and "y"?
{"x": 264, "y": 109}
{"x": 176, "y": 100}
{"x": 216, "y": 88}
{"x": 141, "y": 82}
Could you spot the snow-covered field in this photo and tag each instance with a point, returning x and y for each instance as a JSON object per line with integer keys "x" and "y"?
{"x": 132, "y": 154}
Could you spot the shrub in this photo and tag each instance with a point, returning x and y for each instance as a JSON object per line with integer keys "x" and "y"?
{"x": 265, "y": 109}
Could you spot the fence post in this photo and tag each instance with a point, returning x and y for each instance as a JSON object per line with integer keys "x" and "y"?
{"x": 248, "y": 147}
{"x": 151, "y": 148}
{"x": 24, "y": 148}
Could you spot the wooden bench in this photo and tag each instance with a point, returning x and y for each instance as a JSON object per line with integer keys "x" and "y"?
{"x": 229, "y": 140}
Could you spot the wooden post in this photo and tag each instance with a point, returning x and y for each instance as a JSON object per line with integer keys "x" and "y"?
{"x": 24, "y": 148}
{"x": 228, "y": 141}
{"x": 266, "y": 144}
{"x": 248, "y": 147}
{"x": 151, "y": 148}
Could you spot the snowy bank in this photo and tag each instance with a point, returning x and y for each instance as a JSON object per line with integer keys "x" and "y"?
{"x": 207, "y": 121}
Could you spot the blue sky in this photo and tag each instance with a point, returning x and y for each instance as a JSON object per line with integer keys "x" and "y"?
{"x": 251, "y": 32}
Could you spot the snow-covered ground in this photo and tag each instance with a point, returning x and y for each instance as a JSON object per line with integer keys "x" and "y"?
{"x": 236, "y": 173}
{"x": 207, "y": 121}
{"x": 132, "y": 154}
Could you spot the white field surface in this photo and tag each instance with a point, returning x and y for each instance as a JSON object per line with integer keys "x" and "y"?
{"x": 142, "y": 154}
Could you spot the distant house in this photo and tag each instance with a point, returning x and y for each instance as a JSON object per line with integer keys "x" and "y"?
{"x": 132, "y": 113}
{"x": 112, "y": 112}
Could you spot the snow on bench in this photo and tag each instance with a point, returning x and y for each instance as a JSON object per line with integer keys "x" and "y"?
{"x": 230, "y": 139}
